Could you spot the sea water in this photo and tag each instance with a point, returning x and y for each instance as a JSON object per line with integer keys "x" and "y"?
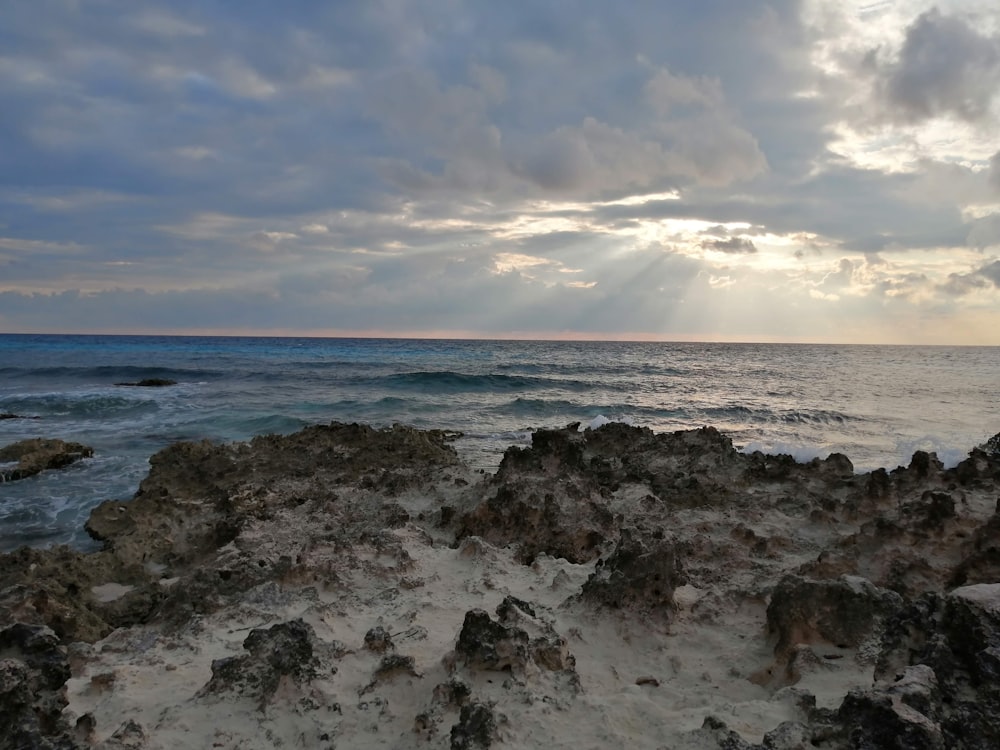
{"x": 876, "y": 404}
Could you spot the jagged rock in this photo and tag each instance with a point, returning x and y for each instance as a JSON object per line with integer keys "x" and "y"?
{"x": 958, "y": 637}
{"x": 150, "y": 383}
{"x": 379, "y": 640}
{"x": 476, "y": 727}
{"x": 33, "y": 670}
{"x": 982, "y": 564}
{"x": 283, "y": 650}
{"x": 507, "y": 644}
{"x": 36, "y": 455}
{"x": 845, "y": 612}
{"x": 557, "y": 497}
{"x": 129, "y": 736}
{"x": 484, "y": 643}
{"x": 992, "y": 446}
{"x": 640, "y": 574}
{"x": 56, "y": 587}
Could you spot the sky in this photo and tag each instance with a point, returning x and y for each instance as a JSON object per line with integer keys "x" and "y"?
{"x": 790, "y": 170}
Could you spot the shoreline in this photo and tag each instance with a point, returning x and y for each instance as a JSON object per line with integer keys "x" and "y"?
{"x": 346, "y": 585}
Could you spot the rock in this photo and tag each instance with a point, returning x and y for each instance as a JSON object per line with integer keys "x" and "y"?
{"x": 641, "y": 574}
{"x": 845, "y": 613}
{"x": 150, "y": 383}
{"x": 33, "y": 670}
{"x": 378, "y": 640}
{"x": 36, "y": 455}
{"x": 8, "y": 415}
{"x": 476, "y": 727}
{"x": 992, "y": 446}
{"x": 129, "y": 736}
{"x": 484, "y": 643}
{"x": 283, "y": 650}
{"x": 517, "y": 640}
{"x": 938, "y": 675}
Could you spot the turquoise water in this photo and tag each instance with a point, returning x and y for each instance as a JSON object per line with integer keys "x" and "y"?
{"x": 876, "y": 404}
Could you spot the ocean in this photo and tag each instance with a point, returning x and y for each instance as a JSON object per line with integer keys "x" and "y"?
{"x": 876, "y": 404}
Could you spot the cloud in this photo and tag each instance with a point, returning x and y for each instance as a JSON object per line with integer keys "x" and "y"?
{"x": 404, "y": 166}
{"x": 961, "y": 284}
{"x": 734, "y": 245}
{"x": 945, "y": 67}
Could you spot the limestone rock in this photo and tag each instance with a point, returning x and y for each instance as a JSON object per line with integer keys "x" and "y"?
{"x": 33, "y": 670}
{"x": 36, "y": 455}
{"x": 844, "y": 612}
{"x": 640, "y": 574}
{"x": 284, "y": 650}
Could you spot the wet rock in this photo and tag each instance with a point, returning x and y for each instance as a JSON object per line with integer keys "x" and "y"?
{"x": 845, "y": 612}
{"x": 36, "y": 455}
{"x": 8, "y": 415}
{"x": 476, "y": 728}
{"x": 992, "y": 446}
{"x": 640, "y": 574}
{"x": 286, "y": 650}
{"x": 33, "y": 671}
{"x": 149, "y": 383}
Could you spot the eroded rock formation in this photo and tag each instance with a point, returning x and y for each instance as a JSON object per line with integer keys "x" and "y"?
{"x": 348, "y": 582}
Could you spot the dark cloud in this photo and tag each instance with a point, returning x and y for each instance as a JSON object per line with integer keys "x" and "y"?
{"x": 960, "y": 284}
{"x": 365, "y": 163}
{"x": 945, "y": 67}
{"x": 733, "y": 245}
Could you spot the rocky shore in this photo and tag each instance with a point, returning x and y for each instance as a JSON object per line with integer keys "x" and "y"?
{"x": 347, "y": 587}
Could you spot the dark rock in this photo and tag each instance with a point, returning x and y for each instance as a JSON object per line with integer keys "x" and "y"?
{"x": 283, "y": 650}
{"x": 844, "y": 612}
{"x": 476, "y": 727}
{"x": 941, "y": 660}
{"x": 484, "y": 643}
{"x": 872, "y": 720}
{"x": 992, "y": 446}
{"x": 150, "y": 383}
{"x": 640, "y": 574}
{"x": 129, "y": 736}
{"x": 33, "y": 670}
{"x": 393, "y": 664}
{"x": 378, "y": 640}
{"x": 8, "y": 415}
{"x": 36, "y": 455}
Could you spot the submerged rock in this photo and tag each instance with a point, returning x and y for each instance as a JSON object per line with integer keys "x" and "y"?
{"x": 149, "y": 383}
{"x": 36, "y": 455}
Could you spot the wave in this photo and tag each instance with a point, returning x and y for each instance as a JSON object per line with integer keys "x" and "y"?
{"x": 110, "y": 373}
{"x": 785, "y": 416}
{"x": 447, "y": 381}
{"x": 85, "y": 405}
